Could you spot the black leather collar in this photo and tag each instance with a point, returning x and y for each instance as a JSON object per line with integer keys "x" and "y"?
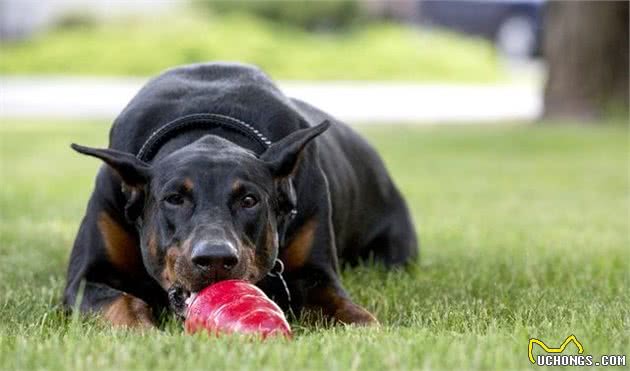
{"x": 198, "y": 121}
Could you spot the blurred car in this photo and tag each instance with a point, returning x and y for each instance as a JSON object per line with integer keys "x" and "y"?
{"x": 515, "y": 26}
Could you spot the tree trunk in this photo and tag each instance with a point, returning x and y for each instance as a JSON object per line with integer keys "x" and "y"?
{"x": 586, "y": 48}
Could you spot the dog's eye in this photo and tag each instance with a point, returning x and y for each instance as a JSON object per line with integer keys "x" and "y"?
{"x": 174, "y": 199}
{"x": 249, "y": 201}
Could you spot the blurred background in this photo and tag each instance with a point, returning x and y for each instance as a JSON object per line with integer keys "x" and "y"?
{"x": 365, "y": 61}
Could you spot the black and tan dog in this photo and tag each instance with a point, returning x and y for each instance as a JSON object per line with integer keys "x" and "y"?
{"x": 212, "y": 174}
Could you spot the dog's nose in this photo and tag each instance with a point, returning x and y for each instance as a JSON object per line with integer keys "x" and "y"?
{"x": 219, "y": 257}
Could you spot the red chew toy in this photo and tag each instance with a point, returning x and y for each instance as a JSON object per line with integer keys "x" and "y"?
{"x": 235, "y": 306}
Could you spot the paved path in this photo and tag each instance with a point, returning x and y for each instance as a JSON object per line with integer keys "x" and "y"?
{"x": 353, "y": 102}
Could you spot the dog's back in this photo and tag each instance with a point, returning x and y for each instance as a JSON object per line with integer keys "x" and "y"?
{"x": 229, "y": 89}
{"x": 370, "y": 217}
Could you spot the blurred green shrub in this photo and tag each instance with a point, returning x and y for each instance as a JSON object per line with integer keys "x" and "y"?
{"x": 373, "y": 51}
{"x": 312, "y": 15}
{"x": 76, "y": 20}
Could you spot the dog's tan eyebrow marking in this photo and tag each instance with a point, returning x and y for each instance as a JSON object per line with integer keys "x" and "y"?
{"x": 188, "y": 184}
{"x": 236, "y": 186}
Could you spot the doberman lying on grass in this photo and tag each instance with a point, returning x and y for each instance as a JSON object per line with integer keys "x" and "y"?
{"x": 211, "y": 174}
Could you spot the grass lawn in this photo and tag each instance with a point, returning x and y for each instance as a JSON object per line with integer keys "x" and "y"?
{"x": 524, "y": 232}
{"x": 144, "y": 48}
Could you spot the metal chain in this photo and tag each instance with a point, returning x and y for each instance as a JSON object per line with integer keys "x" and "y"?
{"x": 278, "y": 273}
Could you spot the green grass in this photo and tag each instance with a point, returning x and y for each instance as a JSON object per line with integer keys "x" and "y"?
{"x": 146, "y": 47}
{"x": 524, "y": 232}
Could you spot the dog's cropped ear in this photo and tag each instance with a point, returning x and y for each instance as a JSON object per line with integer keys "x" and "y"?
{"x": 131, "y": 170}
{"x": 283, "y": 156}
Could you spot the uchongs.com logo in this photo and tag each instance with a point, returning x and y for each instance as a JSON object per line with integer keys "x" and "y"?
{"x": 555, "y": 356}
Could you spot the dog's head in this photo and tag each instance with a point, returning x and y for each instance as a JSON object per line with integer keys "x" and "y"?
{"x": 211, "y": 210}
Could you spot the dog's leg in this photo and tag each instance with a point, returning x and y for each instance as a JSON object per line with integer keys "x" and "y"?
{"x": 316, "y": 287}
{"x": 105, "y": 273}
{"x": 334, "y": 303}
{"x": 117, "y": 307}
{"x": 312, "y": 268}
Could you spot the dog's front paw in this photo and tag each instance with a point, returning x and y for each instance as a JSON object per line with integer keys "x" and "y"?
{"x": 351, "y": 314}
{"x": 129, "y": 311}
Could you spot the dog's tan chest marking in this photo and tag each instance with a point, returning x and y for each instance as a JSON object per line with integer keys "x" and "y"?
{"x": 299, "y": 249}
{"x": 121, "y": 247}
